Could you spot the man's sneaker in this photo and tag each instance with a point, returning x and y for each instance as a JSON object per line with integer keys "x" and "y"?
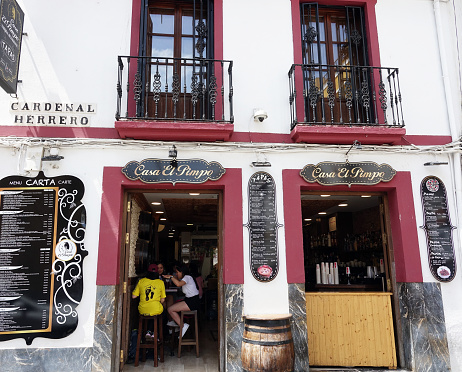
{"x": 185, "y": 328}
{"x": 171, "y": 323}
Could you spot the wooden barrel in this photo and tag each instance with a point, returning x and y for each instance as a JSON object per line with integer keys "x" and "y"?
{"x": 267, "y": 345}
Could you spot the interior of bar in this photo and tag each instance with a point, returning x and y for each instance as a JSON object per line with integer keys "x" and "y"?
{"x": 347, "y": 280}
{"x": 173, "y": 234}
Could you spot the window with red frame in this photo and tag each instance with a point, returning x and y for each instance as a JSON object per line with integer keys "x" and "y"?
{"x": 176, "y": 38}
{"x": 337, "y": 77}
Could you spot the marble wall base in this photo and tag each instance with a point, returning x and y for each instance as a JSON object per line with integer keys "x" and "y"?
{"x": 234, "y": 326}
{"x": 423, "y": 328}
{"x": 297, "y": 307}
{"x": 422, "y": 332}
{"x": 85, "y": 359}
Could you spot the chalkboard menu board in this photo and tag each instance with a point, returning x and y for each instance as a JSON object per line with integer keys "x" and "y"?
{"x": 42, "y": 228}
{"x": 438, "y": 229}
{"x": 11, "y": 26}
{"x": 263, "y": 227}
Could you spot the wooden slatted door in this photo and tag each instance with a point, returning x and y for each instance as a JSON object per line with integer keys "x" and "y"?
{"x": 350, "y": 329}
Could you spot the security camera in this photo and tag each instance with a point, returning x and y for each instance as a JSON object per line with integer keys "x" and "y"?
{"x": 260, "y": 115}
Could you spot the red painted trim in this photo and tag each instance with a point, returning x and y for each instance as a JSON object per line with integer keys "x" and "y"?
{"x": 112, "y": 133}
{"x": 260, "y": 137}
{"x": 174, "y": 131}
{"x": 134, "y": 51}
{"x": 403, "y": 223}
{"x": 58, "y": 132}
{"x": 346, "y": 135}
{"x": 372, "y": 44}
{"x": 422, "y": 140}
{"x": 371, "y": 26}
{"x": 114, "y": 185}
{"x": 218, "y": 29}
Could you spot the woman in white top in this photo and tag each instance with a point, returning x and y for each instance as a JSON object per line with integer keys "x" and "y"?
{"x": 191, "y": 292}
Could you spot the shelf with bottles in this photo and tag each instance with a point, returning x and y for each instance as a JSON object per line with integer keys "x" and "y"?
{"x": 322, "y": 241}
{"x": 368, "y": 241}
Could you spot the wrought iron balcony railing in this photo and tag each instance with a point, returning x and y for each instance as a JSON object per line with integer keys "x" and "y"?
{"x": 181, "y": 89}
{"x": 345, "y": 95}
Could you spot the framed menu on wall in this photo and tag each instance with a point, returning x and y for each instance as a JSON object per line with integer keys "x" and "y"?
{"x": 42, "y": 230}
{"x": 438, "y": 228}
{"x": 263, "y": 225}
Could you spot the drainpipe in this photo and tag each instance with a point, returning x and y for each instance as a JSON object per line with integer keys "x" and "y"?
{"x": 454, "y": 158}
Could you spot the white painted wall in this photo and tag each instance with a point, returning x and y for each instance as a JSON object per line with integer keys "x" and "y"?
{"x": 70, "y": 55}
{"x": 258, "y": 297}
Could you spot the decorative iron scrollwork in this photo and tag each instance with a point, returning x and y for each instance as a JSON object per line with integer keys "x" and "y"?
{"x": 213, "y": 94}
{"x": 137, "y": 87}
{"x": 331, "y": 95}
{"x": 310, "y": 35}
{"x": 201, "y": 30}
{"x": 355, "y": 37}
{"x": 313, "y": 95}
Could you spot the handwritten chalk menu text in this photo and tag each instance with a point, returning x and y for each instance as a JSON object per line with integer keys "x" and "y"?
{"x": 438, "y": 229}
{"x": 42, "y": 226}
{"x": 263, "y": 227}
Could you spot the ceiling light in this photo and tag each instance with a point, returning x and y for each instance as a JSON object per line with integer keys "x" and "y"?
{"x": 322, "y": 213}
{"x": 366, "y": 196}
{"x": 156, "y": 203}
{"x": 163, "y": 219}
{"x": 307, "y": 219}
{"x": 189, "y": 224}
{"x": 160, "y": 212}
{"x": 343, "y": 205}
{"x": 170, "y": 236}
{"x": 194, "y": 193}
{"x": 325, "y": 196}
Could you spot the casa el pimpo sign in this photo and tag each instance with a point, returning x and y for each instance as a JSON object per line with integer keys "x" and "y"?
{"x": 335, "y": 173}
{"x": 12, "y": 21}
{"x": 162, "y": 170}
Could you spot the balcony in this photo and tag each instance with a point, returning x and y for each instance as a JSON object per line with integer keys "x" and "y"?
{"x": 339, "y": 104}
{"x": 183, "y": 99}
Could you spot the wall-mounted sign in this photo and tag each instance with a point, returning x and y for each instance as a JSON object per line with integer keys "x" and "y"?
{"x": 333, "y": 173}
{"x": 42, "y": 231}
{"x": 12, "y": 22}
{"x": 162, "y": 170}
{"x": 52, "y": 113}
{"x": 263, "y": 227}
{"x": 438, "y": 229}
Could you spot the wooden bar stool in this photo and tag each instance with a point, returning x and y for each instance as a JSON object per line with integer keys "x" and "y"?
{"x": 158, "y": 338}
{"x": 189, "y": 341}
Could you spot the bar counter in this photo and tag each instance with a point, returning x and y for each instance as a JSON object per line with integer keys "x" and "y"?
{"x": 350, "y": 329}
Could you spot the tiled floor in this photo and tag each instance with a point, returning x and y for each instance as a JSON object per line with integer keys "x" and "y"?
{"x": 207, "y": 361}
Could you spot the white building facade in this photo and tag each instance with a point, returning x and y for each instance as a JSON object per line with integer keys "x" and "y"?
{"x": 261, "y": 88}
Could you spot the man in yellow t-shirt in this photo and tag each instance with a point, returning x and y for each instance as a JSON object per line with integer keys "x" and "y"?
{"x": 151, "y": 291}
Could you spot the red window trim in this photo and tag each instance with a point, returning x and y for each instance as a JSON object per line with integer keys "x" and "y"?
{"x": 114, "y": 186}
{"x": 181, "y": 130}
{"x": 402, "y": 219}
{"x": 371, "y": 26}
{"x": 338, "y": 135}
